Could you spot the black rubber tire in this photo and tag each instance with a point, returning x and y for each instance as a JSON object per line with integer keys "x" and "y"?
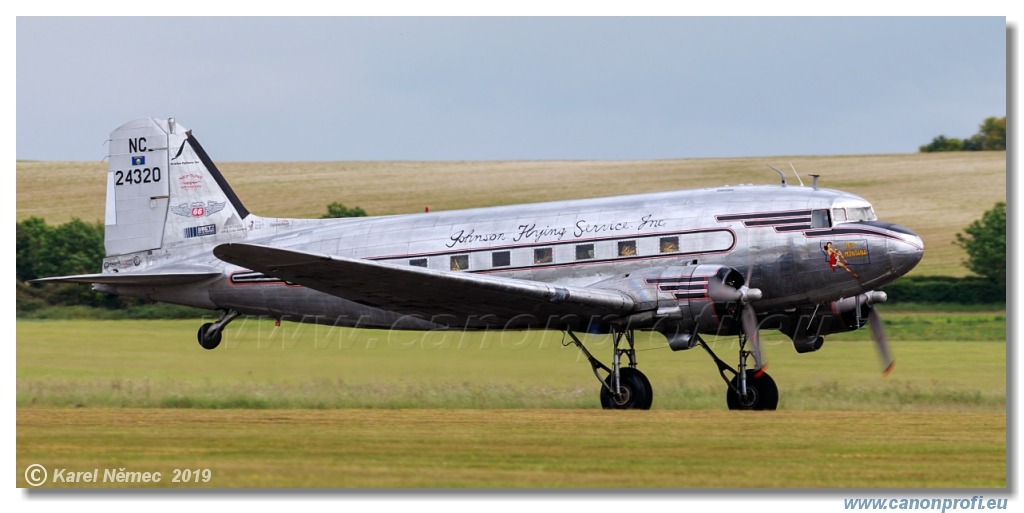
{"x": 205, "y": 340}
{"x": 637, "y": 393}
{"x": 762, "y": 393}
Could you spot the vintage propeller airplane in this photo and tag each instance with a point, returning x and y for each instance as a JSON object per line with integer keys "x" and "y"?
{"x": 724, "y": 261}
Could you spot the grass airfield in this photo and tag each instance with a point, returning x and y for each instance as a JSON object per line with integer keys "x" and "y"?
{"x": 526, "y": 448}
{"x": 304, "y": 406}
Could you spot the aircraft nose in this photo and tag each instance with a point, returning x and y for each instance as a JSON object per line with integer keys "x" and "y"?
{"x": 906, "y": 250}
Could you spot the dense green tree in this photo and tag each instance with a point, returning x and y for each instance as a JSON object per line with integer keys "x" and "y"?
{"x": 75, "y": 247}
{"x": 985, "y": 243}
{"x": 993, "y": 134}
{"x": 30, "y": 243}
{"x": 974, "y": 143}
{"x": 339, "y": 210}
{"x": 942, "y": 143}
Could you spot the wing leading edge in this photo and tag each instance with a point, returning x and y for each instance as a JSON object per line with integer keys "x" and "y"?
{"x": 135, "y": 279}
{"x": 455, "y": 299}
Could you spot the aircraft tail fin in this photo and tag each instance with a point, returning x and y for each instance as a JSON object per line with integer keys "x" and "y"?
{"x": 164, "y": 192}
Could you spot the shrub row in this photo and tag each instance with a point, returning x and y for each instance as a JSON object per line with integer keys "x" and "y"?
{"x": 946, "y": 289}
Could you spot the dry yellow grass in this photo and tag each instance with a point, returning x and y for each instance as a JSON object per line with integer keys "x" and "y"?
{"x": 424, "y": 448}
{"x": 937, "y": 195}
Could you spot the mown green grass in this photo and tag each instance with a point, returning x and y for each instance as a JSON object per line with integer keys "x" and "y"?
{"x": 305, "y": 406}
{"x": 427, "y": 448}
{"x": 945, "y": 362}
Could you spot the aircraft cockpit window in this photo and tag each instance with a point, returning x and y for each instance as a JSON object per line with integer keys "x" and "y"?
{"x": 853, "y": 214}
{"x": 542, "y": 256}
{"x": 627, "y": 248}
{"x": 584, "y": 252}
{"x": 820, "y": 219}
{"x": 460, "y": 262}
{"x": 861, "y": 214}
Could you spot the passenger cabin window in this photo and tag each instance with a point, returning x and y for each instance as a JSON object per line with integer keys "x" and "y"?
{"x": 669, "y": 244}
{"x": 542, "y": 256}
{"x": 418, "y": 262}
{"x": 819, "y": 219}
{"x": 460, "y": 263}
{"x": 584, "y": 252}
{"x": 627, "y": 248}
{"x": 501, "y": 259}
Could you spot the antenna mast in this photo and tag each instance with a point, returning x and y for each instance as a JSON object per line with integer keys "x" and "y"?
{"x": 815, "y": 177}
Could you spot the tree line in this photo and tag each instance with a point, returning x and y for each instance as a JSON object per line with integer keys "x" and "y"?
{"x": 76, "y": 247}
{"x": 991, "y": 136}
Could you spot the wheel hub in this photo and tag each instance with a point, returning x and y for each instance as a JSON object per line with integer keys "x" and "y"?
{"x": 624, "y": 396}
{"x": 751, "y": 398}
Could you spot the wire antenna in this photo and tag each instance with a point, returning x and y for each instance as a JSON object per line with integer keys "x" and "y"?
{"x": 797, "y": 174}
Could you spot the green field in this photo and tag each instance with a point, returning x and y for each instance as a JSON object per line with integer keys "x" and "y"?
{"x": 945, "y": 362}
{"x": 305, "y": 406}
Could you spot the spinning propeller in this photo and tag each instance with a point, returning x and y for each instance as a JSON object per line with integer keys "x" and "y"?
{"x": 878, "y": 332}
{"x": 730, "y": 288}
{"x": 748, "y": 318}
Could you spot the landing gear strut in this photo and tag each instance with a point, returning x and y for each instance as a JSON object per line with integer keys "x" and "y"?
{"x": 624, "y": 388}
{"x": 210, "y": 333}
{"x": 749, "y": 389}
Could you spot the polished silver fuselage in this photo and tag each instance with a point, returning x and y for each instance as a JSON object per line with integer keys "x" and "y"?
{"x": 775, "y": 236}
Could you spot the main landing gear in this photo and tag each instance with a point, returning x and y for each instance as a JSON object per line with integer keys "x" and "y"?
{"x": 749, "y": 389}
{"x": 210, "y": 333}
{"x": 626, "y": 388}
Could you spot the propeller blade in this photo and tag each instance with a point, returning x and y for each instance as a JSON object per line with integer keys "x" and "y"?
{"x": 749, "y": 320}
{"x": 881, "y": 341}
{"x": 719, "y": 291}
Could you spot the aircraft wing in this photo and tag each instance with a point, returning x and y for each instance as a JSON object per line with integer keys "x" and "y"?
{"x": 140, "y": 279}
{"x": 450, "y": 298}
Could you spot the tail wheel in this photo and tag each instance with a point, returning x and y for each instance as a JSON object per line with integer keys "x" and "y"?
{"x": 208, "y": 339}
{"x": 762, "y": 393}
{"x": 635, "y": 392}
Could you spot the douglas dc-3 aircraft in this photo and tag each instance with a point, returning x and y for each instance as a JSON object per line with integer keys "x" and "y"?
{"x": 720, "y": 261}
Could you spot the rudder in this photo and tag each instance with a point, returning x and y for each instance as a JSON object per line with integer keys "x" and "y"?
{"x": 164, "y": 192}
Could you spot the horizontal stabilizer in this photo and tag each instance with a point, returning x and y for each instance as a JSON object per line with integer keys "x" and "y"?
{"x": 140, "y": 279}
{"x": 446, "y": 297}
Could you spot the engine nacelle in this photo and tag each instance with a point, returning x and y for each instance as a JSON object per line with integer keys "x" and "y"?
{"x": 808, "y": 329}
{"x": 809, "y": 344}
{"x": 683, "y": 300}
